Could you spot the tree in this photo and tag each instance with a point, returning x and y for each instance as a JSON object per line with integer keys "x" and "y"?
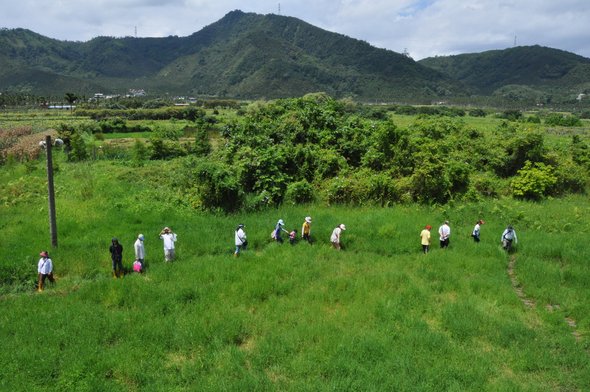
{"x": 71, "y": 99}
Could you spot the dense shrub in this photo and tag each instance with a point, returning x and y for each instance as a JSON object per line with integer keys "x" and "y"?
{"x": 477, "y": 113}
{"x": 580, "y": 152}
{"x": 211, "y": 185}
{"x": 290, "y": 150}
{"x": 534, "y": 181}
{"x": 299, "y": 192}
{"x": 571, "y": 178}
{"x": 511, "y": 115}
{"x": 563, "y": 120}
{"x": 74, "y": 144}
{"x": 430, "y": 182}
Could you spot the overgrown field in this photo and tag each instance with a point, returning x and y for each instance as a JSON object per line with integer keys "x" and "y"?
{"x": 378, "y": 315}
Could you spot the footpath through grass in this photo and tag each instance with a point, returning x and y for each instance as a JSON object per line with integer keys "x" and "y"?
{"x": 379, "y": 315}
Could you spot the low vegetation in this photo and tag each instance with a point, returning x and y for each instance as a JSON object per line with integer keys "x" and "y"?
{"x": 378, "y": 315}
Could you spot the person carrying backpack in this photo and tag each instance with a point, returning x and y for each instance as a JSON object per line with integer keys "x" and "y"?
{"x": 279, "y": 228}
{"x": 508, "y": 236}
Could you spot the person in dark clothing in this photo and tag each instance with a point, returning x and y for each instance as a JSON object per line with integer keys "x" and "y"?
{"x": 116, "y": 250}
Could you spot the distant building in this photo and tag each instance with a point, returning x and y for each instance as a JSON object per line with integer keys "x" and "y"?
{"x": 136, "y": 92}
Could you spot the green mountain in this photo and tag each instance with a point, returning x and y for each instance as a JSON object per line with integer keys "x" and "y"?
{"x": 243, "y": 55}
{"x": 535, "y": 69}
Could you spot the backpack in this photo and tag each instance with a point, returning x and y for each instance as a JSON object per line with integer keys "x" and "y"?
{"x": 509, "y": 235}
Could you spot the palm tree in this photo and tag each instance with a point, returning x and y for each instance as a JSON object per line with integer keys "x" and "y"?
{"x": 71, "y": 98}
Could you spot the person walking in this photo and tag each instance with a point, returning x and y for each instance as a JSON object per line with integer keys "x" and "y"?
{"x": 240, "y": 239}
{"x": 293, "y": 237}
{"x": 279, "y": 228}
{"x": 139, "y": 249}
{"x": 44, "y": 270}
{"x": 476, "y": 230}
{"x": 335, "y": 237}
{"x": 444, "y": 232}
{"x": 508, "y": 236}
{"x": 116, "y": 250}
{"x": 425, "y": 238}
{"x": 169, "y": 238}
{"x": 306, "y": 229}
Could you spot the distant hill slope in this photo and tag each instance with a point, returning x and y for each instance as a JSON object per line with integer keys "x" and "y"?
{"x": 242, "y": 55}
{"x": 536, "y": 67}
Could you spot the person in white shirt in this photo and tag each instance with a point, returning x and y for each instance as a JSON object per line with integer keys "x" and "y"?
{"x": 444, "y": 232}
{"x": 335, "y": 237}
{"x": 139, "y": 249}
{"x": 169, "y": 238}
{"x": 476, "y": 229}
{"x": 240, "y": 239}
{"x": 508, "y": 236}
{"x": 44, "y": 270}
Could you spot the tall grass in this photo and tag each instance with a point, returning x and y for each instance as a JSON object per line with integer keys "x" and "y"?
{"x": 378, "y": 315}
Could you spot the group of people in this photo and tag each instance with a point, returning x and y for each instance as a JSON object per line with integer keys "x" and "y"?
{"x": 277, "y": 235}
{"x": 444, "y": 232}
{"x": 116, "y": 249}
{"x": 45, "y": 265}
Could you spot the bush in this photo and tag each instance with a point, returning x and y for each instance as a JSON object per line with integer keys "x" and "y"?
{"x": 534, "y": 181}
{"x": 364, "y": 187}
{"x": 477, "y": 113}
{"x": 299, "y": 192}
{"x": 511, "y": 115}
{"x": 571, "y": 178}
{"x": 564, "y": 120}
{"x": 211, "y": 185}
{"x": 74, "y": 144}
{"x": 430, "y": 183}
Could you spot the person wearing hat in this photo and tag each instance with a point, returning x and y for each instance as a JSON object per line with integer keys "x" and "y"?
{"x": 116, "y": 250}
{"x": 508, "y": 236}
{"x": 476, "y": 229}
{"x": 240, "y": 239}
{"x": 425, "y": 238}
{"x": 444, "y": 232}
{"x": 277, "y": 231}
{"x": 139, "y": 249}
{"x": 335, "y": 237}
{"x": 306, "y": 229}
{"x": 44, "y": 270}
{"x": 169, "y": 238}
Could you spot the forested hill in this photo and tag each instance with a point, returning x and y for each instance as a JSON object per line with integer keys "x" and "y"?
{"x": 243, "y": 55}
{"x": 537, "y": 68}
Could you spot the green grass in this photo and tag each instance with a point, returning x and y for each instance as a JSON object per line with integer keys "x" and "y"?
{"x": 379, "y": 315}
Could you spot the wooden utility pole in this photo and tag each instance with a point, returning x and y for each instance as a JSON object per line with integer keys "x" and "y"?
{"x": 51, "y": 193}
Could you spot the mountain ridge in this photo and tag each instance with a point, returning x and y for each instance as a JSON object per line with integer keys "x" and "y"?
{"x": 252, "y": 56}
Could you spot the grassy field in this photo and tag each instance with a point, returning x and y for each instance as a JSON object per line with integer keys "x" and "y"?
{"x": 378, "y": 315}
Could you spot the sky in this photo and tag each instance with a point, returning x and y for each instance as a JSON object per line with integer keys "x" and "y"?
{"x": 421, "y": 28}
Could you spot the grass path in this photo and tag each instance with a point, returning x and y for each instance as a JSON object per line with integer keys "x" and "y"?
{"x": 530, "y": 303}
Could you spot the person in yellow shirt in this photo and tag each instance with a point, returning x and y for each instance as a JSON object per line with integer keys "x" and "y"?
{"x": 425, "y": 236}
{"x": 306, "y": 229}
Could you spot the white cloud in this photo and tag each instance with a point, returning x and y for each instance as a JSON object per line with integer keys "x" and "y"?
{"x": 424, "y": 27}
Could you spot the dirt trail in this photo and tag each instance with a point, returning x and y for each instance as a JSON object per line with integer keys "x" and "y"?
{"x": 530, "y": 303}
